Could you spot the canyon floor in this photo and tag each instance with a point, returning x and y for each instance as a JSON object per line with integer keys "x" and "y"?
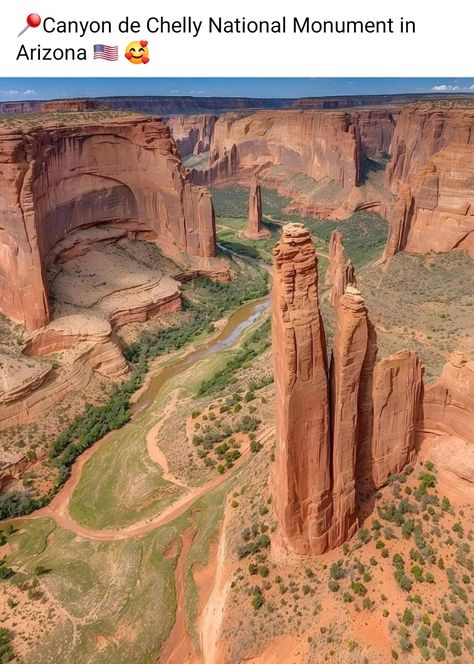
{"x": 161, "y": 547}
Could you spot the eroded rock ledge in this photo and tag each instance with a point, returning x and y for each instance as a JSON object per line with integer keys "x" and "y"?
{"x": 118, "y": 171}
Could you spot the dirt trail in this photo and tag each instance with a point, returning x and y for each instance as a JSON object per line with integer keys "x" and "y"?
{"x": 213, "y": 613}
{"x": 156, "y": 454}
{"x": 58, "y": 507}
{"x": 178, "y": 648}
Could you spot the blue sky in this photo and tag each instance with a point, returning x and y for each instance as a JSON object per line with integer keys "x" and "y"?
{"x": 54, "y": 88}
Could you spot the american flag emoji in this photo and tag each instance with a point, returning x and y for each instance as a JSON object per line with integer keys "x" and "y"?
{"x": 103, "y": 52}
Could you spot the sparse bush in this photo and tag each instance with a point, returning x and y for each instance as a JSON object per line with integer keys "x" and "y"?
{"x": 408, "y": 618}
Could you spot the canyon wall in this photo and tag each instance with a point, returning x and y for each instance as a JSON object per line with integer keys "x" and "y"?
{"x": 61, "y": 178}
{"x": 432, "y": 174}
{"x": 317, "y": 144}
{"x": 192, "y": 133}
{"x": 376, "y": 131}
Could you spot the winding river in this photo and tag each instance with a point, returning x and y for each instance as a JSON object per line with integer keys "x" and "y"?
{"x": 236, "y": 324}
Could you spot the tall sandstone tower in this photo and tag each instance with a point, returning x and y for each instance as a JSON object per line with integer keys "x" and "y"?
{"x": 302, "y": 463}
{"x": 339, "y": 433}
{"x": 254, "y": 229}
{"x": 351, "y": 343}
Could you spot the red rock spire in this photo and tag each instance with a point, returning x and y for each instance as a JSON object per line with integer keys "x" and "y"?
{"x": 301, "y": 475}
{"x": 254, "y": 227}
{"x": 349, "y": 351}
{"x": 340, "y": 272}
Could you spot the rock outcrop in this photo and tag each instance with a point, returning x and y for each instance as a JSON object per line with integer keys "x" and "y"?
{"x": 397, "y": 392}
{"x": 255, "y": 229}
{"x": 340, "y": 272}
{"x": 29, "y": 388}
{"x": 301, "y": 475}
{"x": 454, "y": 461}
{"x": 432, "y": 173}
{"x": 59, "y": 178}
{"x": 348, "y": 356}
{"x": 448, "y": 404}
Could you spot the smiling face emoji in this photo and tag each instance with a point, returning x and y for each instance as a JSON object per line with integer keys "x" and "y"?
{"x": 137, "y": 52}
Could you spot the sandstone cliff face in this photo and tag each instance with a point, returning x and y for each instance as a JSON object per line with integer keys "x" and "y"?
{"x": 376, "y": 131}
{"x": 301, "y": 475}
{"x": 432, "y": 173}
{"x": 397, "y": 392}
{"x": 348, "y": 356}
{"x": 254, "y": 228}
{"x": 62, "y": 178}
{"x": 340, "y": 272}
{"x": 317, "y": 144}
{"x": 192, "y": 133}
{"x": 448, "y": 404}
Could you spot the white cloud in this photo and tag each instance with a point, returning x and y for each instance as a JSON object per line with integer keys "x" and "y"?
{"x": 30, "y": 93}
{"x": 446, "y": 88}
{"x": 10, "y": 93}
{"x": 174, "y": 92}
{"x": 198, "y": 92}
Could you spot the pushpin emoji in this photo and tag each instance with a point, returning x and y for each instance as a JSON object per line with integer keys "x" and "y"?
{"x": 32, "y": 21}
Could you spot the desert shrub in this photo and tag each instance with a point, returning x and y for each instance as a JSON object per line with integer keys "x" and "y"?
{"x": 364, "y": 535}
{"x": 336, "y": 571}
{"x": 455, "y": 648}
{"x": 408, "y": 618}
{"x": 7, "y": 653}
{"x": 402, "y": 580}
{"x": 358, "y": 588}
{"x": 417, "y": 573}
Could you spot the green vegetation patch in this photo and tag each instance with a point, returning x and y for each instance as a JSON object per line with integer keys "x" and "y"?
{"x": 257, "y": 343}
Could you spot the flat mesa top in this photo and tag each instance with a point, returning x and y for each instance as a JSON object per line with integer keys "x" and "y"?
{"x": 48, "y": 120}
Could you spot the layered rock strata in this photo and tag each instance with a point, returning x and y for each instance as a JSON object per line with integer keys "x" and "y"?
{"x": 30, "y": 387}
{"x": 340, "y": 272}
{"x": 301, "y": 475}
{"x": 60, "y": 178}
{"x": 432, "y": 174}
{"x": 317, "y": 144}
{"x": 254, "y": 228}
